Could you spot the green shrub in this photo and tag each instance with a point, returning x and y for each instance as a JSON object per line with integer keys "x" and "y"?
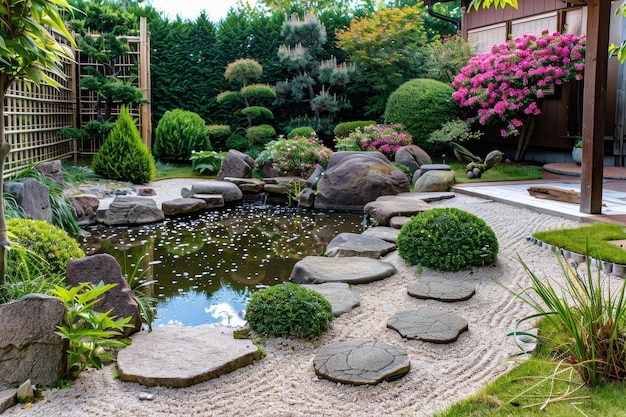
{"x": 46, "y": 241}
{"x": 343, "y": 130}
{"x": 237, "y": 142}
{"x": 407, "y": 171}
{"x": 455, "y": 130}
{"x": 178, "y": 133}
{"x": 255, "y": 150}
{"x": 257, "y": 113}
{"x": 288, "y": 310}
{"x": 207, "y": 162}
{"x": 347, "y": 144}
{"x": 218, "y": 135}
{"x": 296, "y": 156}
{"x": 306, "y": 131}
{"x": 422, "y": 106}
{"x": 386, "y": 139}
{"x": 257, "y": 91}
{"x": 448, "y": 239}
{"x": 260, "y": 134}
{"x": 123, "y": 156}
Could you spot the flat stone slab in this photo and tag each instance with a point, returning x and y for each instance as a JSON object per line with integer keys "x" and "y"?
{"x": 398, "y": 221}
{"x": 382, "y": 210}
{"x": 351, "y": 270}
{"x": 211, "y": 200}
{"x": 441, "y": 289}
{"x": 355, "y": 244}
{"x": 338, "y": 294}
{"x": 228, "y": 190}
{"x": 180, "y": 357}
{"x": 360, "y": 362}
{"x": 428, "y": 325}
{"x": 183, "y": 206}
{"x": 388, "y": 234}
{"x": 247, "y": 185}
{"x": 8, "y": 398}
{"x": 426, "y": 197}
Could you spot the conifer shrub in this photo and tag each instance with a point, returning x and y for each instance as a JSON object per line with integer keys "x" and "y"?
{"x": 178, "y": 133}
{"x": 218, "y": 135}
{"x": 447, "y": 239}
{"x": 289, "y": 310}
{"x": 237, "y": 142}
{"x": 260, "y": 134}
{"x": 343, "y": 130}
{"x": 123, "y": 156}
{"x": 48, "y": 242}
{"x": 422, "y": 106}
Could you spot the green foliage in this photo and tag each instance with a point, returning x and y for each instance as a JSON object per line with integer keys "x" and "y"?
{"x": 178, "y": 133}
{"x": 123, "y": 156}
{"x": 218, "y": 135}
{"x": 257, "y": 113}
{"x": 257, "y": 92}
{"x": 455, "y": 130}
{"x": 207, "y": 162}
{"x": 254, "y": 151}
{"x": 46, "y": 241}
{"x": 422, "y": 106}
{"x": 237, "y": 142}
{"x": 447, "y": 239}
{"x": 299, "y": 155}
{"x": 288, "y": 310}
{"x": 323, "y": 126}
{"x": 305, "y": 131}
{"x": 243, "y": 70}
{"x": 501, "y": 172}
{"x": 139, "y": 286}
{"x": 343, "y": 130}
{"x": 260, "y": 134}
{"x": 445, "y": 58}
{"x": 88, "y": 331}
{"x": 407, "y": 171}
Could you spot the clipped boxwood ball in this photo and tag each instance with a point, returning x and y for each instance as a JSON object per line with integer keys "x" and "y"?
{"x": 447, "y": 239}
{"x": 288, "y": 310}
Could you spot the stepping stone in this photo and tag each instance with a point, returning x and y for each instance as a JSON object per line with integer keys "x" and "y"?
{"x": 247, "y": 185}
{"x": 180, "y": 357}
{"x": 351, "y": 270}
{"x": 183, "y": 206}
{"x": 448, "y": 290}
{"x": 228, "y": 190}
{"x": 398, "y": 221}
{"x": 355, "y": 244}
{"x": 426, "y": 197}
{"x": 338, "y": 294}
{"x": 382, "y": 210}
{"x": 211, "y": 200}
{"x": 429, "y": 325}
{"x": 388, "y": 234}
{"x": 360, "y": 362}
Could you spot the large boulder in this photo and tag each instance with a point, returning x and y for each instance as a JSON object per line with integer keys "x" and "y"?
{"x": 353, "y": 179}
{"x": 85, "y": 208}
{"x": 132, "y": 210}
{"x": 236, "y": 164}
{"x": 52, "y": 170}
{"x": 104, "y": 267}
{"x": 433, "y": 181}
{"x": 412, "y": 156}
{"x": 29, "y": 346}
{"x": 32, "y": 196}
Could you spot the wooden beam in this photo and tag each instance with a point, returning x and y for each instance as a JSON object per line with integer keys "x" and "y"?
{"x": 594, "y": 104}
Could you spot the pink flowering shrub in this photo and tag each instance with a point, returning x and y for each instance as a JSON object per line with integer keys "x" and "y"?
{"x": 298, "y": 155}
{"x": 383, "y": 138}
{"x": 508, "y": 83}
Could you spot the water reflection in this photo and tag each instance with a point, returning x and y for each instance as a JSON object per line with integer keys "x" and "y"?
{"x": 206, "y": 266}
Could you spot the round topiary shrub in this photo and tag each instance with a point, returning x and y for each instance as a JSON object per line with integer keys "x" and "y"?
{"x": 46, "y": 241}
{"x": 218, "y": 135}
{"x": 178, "y": 133}
{"x": 343, "y": 130}
{"x": 306, "y": 131}
{"x": 289, "y": 310}
{"x": 237, "y": 142}
{"x": 422, "y": 106}
{"x": 448, "y": 239}
{"x": 260, "y": 134}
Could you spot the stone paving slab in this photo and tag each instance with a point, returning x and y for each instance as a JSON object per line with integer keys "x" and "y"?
{"x": 428, "y": 325}
{"x": 383, "y": 210}
{"x": 441, "y": 289}
{"x": 338, "y": 294}
{"x": 183, "y": 356}
{"x": 360, "y": 362}
{"x": 351, "y": 270}
{"x": 386, "y": 233}
{"x": 355, "y": 244}
{"x": 8, "y": 398}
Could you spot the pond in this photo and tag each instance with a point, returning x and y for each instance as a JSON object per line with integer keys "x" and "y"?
{"x": 206, "y": 266}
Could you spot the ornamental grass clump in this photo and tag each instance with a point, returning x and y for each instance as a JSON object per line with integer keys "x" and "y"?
{"x": 300, "y": 155}
{"x": 447, "y": 239}
{"x": 385, "y": 139}
{"x": 588, "y": 315}
{"x": 289, "y": 310}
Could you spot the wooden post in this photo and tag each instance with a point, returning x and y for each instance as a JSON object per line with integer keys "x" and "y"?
{"x": 594, "y": 104}
{"x": 144, "y": 82}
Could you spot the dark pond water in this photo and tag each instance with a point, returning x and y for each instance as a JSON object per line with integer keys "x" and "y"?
{"x": 207, "y": 266}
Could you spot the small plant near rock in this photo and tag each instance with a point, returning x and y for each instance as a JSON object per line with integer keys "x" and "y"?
{"x": 447, "y": 239}
{"x": 300, "y": 155}
{"x": 289, "y": 310}
{"x": 207, "y": 162}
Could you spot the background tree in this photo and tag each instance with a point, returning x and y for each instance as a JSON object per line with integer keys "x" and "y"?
{"x": 387, "y": 48}
{"x": 30, "y": 53}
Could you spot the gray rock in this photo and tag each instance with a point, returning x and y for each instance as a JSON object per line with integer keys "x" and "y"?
{"x": 132, "y": 210}
{"x": 412, "y": 156}
{"x": 428, "y": 324}
{"x": 351, "y": 270}
{"x": 425, "y": 197}
{"x": 229, "y": 191}
{"x": 492, "y": 159}
{"x": 315, "y": 177}
{"x": 32, "y": 196}
{"x": 282, "y": 189}
{"x": 338, "y": 294}
{"x": 355, "y": 244}
{"x": 441, "y": 289}
{"x": 29, "y": 347}
{"x": 433, "y": 181}
{"x": 146, "y": 192}
{"x": 398, "y": 221}
{"x": 211, "y": 200}
{"x": 183, "y": 206}
{"x": 104, "y": 267}
{"x": 306, "y": 198}
{"x": 388, "y": 234}
{"x": 181, "y": 357}
{"x": 25, "y": 393}
{"x": 353, "y": 179}
{"x": 52, "y": 170}
{"x": 146, "y": 396}
{"x": 247, "y": 185}
{"x": 8, "y": 398}
{"x": 384, "y": 209}
{"x": 360, "y": 362}
{"x": 85, "y": 208}
{"x": 236, "y": 164}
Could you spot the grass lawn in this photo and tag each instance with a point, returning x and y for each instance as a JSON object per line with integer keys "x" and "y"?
{"x": 506, "y": 171}
{"x": 165, "y": 171}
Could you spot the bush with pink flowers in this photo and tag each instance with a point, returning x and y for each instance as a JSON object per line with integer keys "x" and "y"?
{"x": 299, "y": 155}
{"x": 383, "y": 138}
{"x": 508, "y": 83}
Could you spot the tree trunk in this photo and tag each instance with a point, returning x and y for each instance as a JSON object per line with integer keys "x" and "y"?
{"x": 5, "y": 148}
{"x": 524, "y": 138}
